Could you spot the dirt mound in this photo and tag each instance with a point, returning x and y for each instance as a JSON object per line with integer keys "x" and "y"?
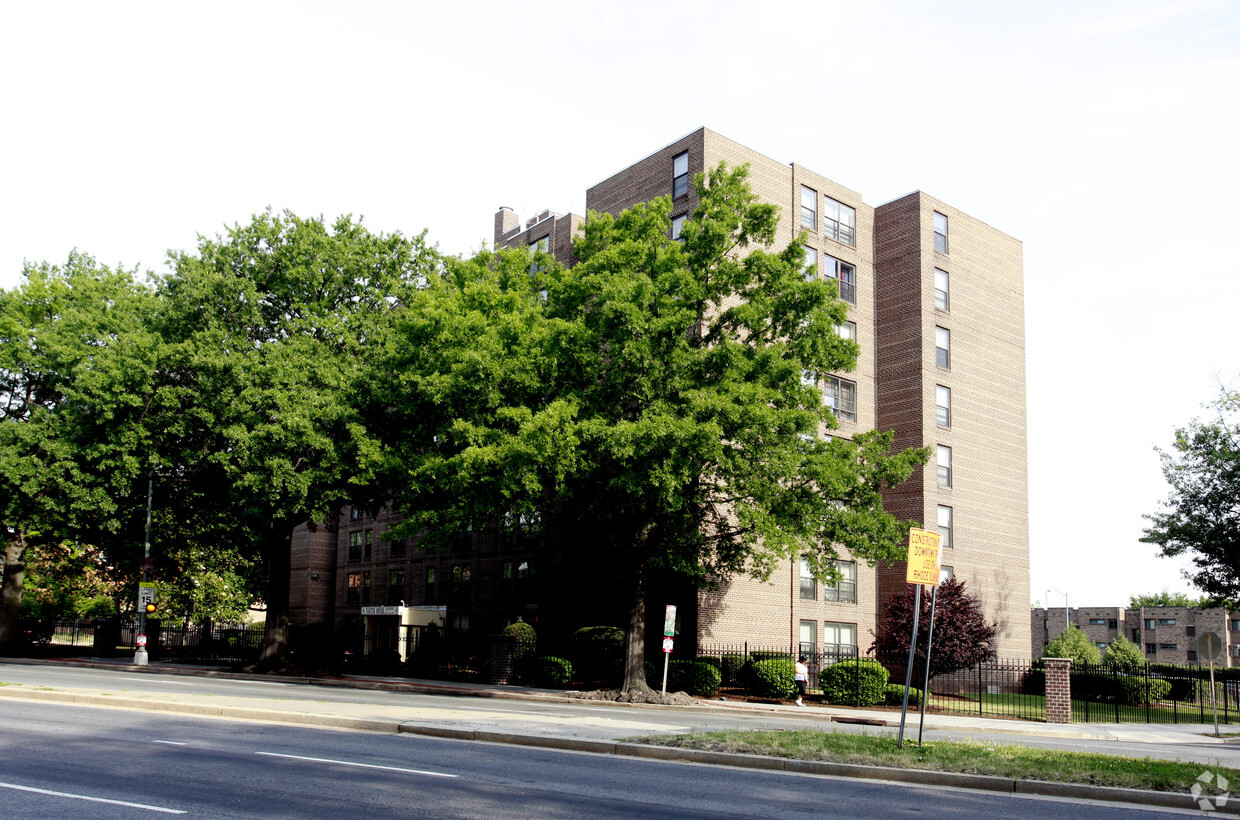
{"x": 640, "y": 696}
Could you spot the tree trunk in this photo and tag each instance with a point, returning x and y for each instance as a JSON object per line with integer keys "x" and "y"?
{"x": 271, "y": 658}
{"x": 11, "y": 590}
{"x": 635, "y": 643}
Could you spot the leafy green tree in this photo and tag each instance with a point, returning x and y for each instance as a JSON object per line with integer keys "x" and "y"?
{"x": 271, "y": 327}
{"x": 1075, "y": 644}
{"x": 68, "y": 580}
{"x": 646, "y": 404}
{"x": 1164, "y": 598}
{"x": 76, "y": 360}
{"x": 962, "y": 635}
{"x": 1201, "y": 518}
{"x": 1123, "y": 654}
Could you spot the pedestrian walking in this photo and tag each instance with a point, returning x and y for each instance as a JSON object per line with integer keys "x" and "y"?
{"x": 802, "y": 679}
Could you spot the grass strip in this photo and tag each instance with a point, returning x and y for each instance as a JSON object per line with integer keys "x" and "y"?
{"x": 971, "y": 757}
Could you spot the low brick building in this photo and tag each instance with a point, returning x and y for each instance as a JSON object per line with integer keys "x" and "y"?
{"x": 1167, "y": 634}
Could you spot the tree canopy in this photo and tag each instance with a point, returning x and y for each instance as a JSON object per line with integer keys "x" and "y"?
{"x": 1123, "y": 654}
{"x": 648, "y": 404}
{"x": 1074, "y": 644}
{"x": 1201, "y": 517}
{"x": 962, "y": 636}
{"x": 1166, "y": 598}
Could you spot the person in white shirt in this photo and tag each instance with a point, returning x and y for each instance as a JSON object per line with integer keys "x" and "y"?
{"x": 802, "y": 679}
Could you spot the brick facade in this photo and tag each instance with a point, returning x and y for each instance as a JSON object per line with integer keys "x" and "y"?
{"x": 1166, "y": 634}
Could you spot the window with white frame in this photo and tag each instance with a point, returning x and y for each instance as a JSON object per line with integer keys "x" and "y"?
{"x": 942, "y": 405}
{"x": 943, "y": 347}
{"x": 843, "y": 591}
{"x": 945, "y": 527}
{"x": 809, "y": 208}
{"x": 847, "y": 330}
{"x": 944, "y": 464}
{"x": 809, "y": 584}
{"x": 839, "y": 221}
{"x": 811, "y": 264}
{"x": 946, "y": 574}
{"x": 940, "y": 232}
{"x": 940, "y": 289}
{"x": 680, "y": 174}
{"x": 841, "y": 396}
{"x": 809, "y": 378}
{"x": 843, "y": 273}
{"x": 809, "y": 637}
{"x": 839, "y": 641}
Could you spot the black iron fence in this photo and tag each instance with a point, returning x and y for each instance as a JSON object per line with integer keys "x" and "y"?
{"x": 215, "y": 644}
{"x": 843, "y": 675}
{"x": 1154, "y": 693}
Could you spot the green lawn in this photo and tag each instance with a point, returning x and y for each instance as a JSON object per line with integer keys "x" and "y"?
{"x": 999, "y": 760}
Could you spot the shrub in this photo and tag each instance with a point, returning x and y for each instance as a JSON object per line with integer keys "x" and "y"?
{"x": 773, "y": 678}
{"x": 769, "y": 655}
{"x": 695, "y": 677}
{"x": 731, "y": 665}
{"x": 1124, "y": 655}
{"x": 856, "y": 681}
{"x": 1138, "y": 691}
{"x": 893, "y": 695}
{"x": 1075, "y": 644}
{"x": 712, "y": 660}
{"x": 547, "y": 671}
{"x": 521, "y": 631}
{"x": 598, "y": 653}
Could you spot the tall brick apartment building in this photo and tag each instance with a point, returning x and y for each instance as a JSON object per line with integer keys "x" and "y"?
{"x": 936, "y": 305}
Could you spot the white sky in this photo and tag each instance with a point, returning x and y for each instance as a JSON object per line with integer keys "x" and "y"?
{"x": 1101, "y": 134}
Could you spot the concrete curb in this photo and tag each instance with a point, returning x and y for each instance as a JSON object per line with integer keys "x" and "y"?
{"x": 920, "y": 777}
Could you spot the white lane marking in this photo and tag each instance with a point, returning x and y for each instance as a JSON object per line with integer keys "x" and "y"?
{"x": 253, "y": 682}
{"x": 170, "y": 742}
{"x": 91, "y": 799}
{"x": 145, "y": 679}
{"x": 359, "y": 765}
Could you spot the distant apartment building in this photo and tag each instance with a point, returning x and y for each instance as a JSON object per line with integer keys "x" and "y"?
{"x": 935, "y": 302}
{"x": 1167, "y": 634}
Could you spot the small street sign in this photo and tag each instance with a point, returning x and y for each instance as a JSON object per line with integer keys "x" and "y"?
{"x": 669, "y": 621}
{"x": 667, "y": 645}
{"x": 146, "y": 595}
{"x": 1210, "y": 645}
{"x": 141, "y": 640}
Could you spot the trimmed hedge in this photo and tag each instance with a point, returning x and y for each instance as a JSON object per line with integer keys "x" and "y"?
{"x": 695, "y": 677}
{"x": 731, "y": 665}
{"x": 893, "y": 695}
{"x": 521, "y": 631}
{"x": 773, "y": 678}
{"x": 546, "y": 671}
{"x": 854, "y": 682}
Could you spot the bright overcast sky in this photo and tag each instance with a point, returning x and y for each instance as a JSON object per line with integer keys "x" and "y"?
{"x": 1103, "y": 135}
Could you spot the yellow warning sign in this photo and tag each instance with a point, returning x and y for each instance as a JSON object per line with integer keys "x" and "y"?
{"x": 923, "y": 557}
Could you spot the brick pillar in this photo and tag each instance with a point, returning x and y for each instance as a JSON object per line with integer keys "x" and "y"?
{"x": 1058, "y": 690}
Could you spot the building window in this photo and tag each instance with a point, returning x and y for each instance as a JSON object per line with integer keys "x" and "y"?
{"x": 809, "y": 208}
{"x": 943, "y": 347}
{"x": 536, "y": 247}
{"x": 1097, "y": 621}
{"x": 1102, "y": 645}
{"x": 397, "y": 547}
{"x": 1168, "y": 646}
{"x": 1235, "y": 650}
{"x": 945, "y": 527}
{"x": 942, "y": 405}
{"x": 809, "y": 637}
{"x": 847, "y": 330}
{"x": 1234, "y": 626}
{"x": 811, "y": 264}
{"x": 944, "y": 459}
{"x": 839, "y": 221}
{"x": 680, "y": 175}
{"x": 839, "y": 641}
{"x": 841, "y": 396}
{"x": 678, "y": 223}
{"x": 845, "y": 590}
{"x": 358, "y": 513}
{"x": 353, "y": 589}
{"x": 940, "y": 289}
{"x": 940, "y": 232}
{"x": 365, "y": 586}
{"x": 809, "y": 584}
{"x": 1150, "y": 623}
{"x": 845, "y": 274}
{"x": 946, "y": 574}
{"x": 461, "y": 573}
{"x": 1113, "y": 624}
{"x": 1151, "y": 649}
{"x": 1166, "y": 621}
{"x": 357, "y": 540}
{"x": 396, "y": 585}
{"x": 429, "y": 595}
{"x": 459, "y": 623}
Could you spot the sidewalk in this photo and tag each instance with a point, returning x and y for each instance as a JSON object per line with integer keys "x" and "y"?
{"x": 599, "y": 734}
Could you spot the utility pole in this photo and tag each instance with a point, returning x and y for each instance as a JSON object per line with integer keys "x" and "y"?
{"x": 146, "y": 592}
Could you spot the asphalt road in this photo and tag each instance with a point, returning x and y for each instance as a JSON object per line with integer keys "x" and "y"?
{"x": 593, "y": 719}
{"x": 69, "y": 761}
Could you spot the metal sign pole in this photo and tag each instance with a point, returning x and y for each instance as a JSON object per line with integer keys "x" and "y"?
{"x": 908, "y": 674}
{"x": 925, "y": 687}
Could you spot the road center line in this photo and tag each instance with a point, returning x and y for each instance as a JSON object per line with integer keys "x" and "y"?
{"x": 359, "y": 765}
{"x": 91, "y": 799}
{"x": 170, "y": 742}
